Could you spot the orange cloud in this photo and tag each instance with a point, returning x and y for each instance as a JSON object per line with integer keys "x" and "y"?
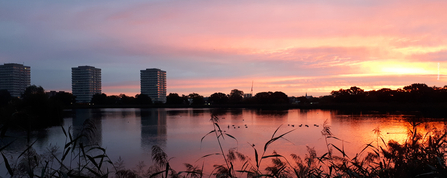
{"x": 210, "y": 46}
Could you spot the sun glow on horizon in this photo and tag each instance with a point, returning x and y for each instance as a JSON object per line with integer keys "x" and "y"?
{"x": 404, "y": 70}
{"x": 400, "y": 68}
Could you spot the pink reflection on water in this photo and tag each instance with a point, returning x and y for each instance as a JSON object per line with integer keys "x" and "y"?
{"x": 130, "y": 133}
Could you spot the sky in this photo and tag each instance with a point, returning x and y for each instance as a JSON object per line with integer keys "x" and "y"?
{"x": 206, "y": 46}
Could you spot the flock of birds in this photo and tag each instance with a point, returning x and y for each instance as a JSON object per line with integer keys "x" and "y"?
{"x": 237, "y": 126}
{"x": 315, "y": 125}
{"x": 291, "y": 125}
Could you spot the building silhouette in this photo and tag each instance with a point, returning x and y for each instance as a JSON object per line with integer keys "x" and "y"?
{"x": 153, "y": 84}
{"x": 14, "y": 78}
{"x": 85, "y": 82}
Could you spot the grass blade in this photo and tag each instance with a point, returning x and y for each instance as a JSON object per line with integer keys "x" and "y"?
{"x": 155, "y": 174}
{"x": 93, "y": 161}
{"x": 344, "y": 154}
{"x": 256, "y": 157}
{"x": 276, "y": 131}
{"x": 65, "y": 154}
{"x": 232, "y": 137}
{"x": 63, "y": 130}
{"x": 275, "y": 138}
{"x": 273, "y": 156}
{"x": 8, "y": 167}
{"x": 217, "y": 126}
{"x": 207, "y": 135}
{"x": 211, "y": 154}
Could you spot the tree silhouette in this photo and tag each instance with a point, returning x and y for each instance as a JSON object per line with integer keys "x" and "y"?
{"x": 417, "y": 88}
{"x": 262, "y": 97}
{"x": 113, "y": 99}
{"x": 414, "y": 93}
{"x": 126, "y": 100}
{"x": 99, "y": 99}
{"x": 5, "y": 97}
{"x": 271, "y": 98}
{"x": 175, "y": 99}
{"x": 353, "y": 94}
{"x": 218, "y": 98}
{"x": 236, "y": 96}
{"x": 35, "y": 95}
{"x": 382, "y": 95}
{"x": 64, "y": 98}
{"x": 196, "y": 99}
{"x": 420, "y": 92}
{"x": 355, "y": 91}
{"x": 34, "y": 110}
{"x": 143, "y": 99}
{"x": 279, "y": 97}
{"x": 303, "y": 100}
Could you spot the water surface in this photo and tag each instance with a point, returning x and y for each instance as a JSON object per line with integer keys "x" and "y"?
{"x": 131, "y": 133}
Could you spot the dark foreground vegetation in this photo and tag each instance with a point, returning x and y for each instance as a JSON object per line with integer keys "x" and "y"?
{"x": 35, "y": 110}
{"x": 422, "y": 154}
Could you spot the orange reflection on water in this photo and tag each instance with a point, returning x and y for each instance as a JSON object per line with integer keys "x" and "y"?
{"x": 182, "y": 133}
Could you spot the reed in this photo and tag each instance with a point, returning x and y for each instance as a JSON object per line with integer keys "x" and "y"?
{"x": 421, "y": 155}
{"x": 78, "y": 158}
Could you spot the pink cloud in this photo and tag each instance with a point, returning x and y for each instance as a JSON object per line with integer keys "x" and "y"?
{"x": 209, "y": 46}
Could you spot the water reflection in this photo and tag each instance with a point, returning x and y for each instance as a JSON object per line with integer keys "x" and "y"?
{"x": 274, "y": 113}
{"x": 269, "y": 114}
{"x": 198, "y": 112}
{"x": 177, "y": 112}
{"x": 89, "y": 123}
{"x": 131, "y": 133}
{"x": 126, "y": 113}
{"x": 218, "y": 111}
{"x": 153, "y": 127}
{"x": 236, "y": 112}
{"x": 20, "y": 139}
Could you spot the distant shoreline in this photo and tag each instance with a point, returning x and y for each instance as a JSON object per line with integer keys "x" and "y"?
{"x": 435, "y": 109}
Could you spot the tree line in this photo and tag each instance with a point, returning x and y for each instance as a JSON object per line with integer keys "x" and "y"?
{"x": 414, "y": 93}
{"x": 38, "y": 109}
{"x": 218, "y": 98}
{"x": 417, "y": 92}
{"x": 34, "y": 101}
{"x": 235, "y": 97}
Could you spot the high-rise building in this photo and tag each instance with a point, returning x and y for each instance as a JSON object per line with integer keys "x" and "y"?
{"x": 85, "y": 82}
{"x": 153, "y": 84}
{"x": 14, "y": 78}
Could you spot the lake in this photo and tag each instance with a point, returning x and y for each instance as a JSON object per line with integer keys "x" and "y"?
{"x": 130, "y": 133}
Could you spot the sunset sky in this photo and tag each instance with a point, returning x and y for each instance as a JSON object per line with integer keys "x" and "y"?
{"x": 216, "y": 46}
